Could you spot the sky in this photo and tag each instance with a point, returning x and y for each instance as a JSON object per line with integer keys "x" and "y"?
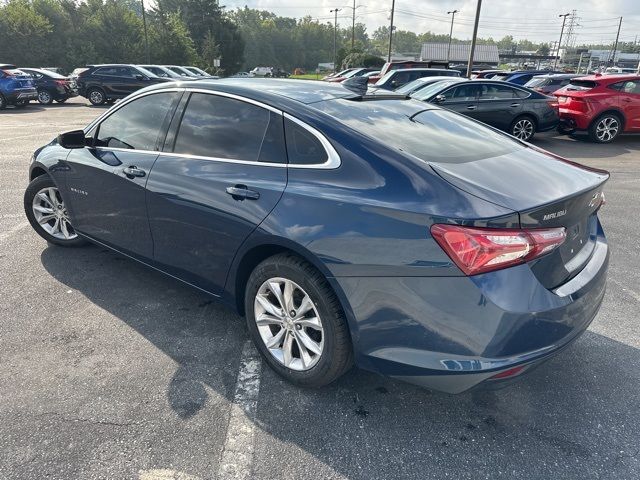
{"x": 537, "y": 21}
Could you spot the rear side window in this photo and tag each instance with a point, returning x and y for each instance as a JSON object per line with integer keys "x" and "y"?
{"x": 303, "y": 148}
{"x": 221, "y": 127}
{"x": 137, "y": 125}
{"x": 112, "y": 71}
{"x": 498, "y": 92}
{"x": 581, "y": 85}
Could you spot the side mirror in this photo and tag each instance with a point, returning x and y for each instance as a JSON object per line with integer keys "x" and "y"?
{"x": 73, "y": 139}
{"x": 439, "y": 98}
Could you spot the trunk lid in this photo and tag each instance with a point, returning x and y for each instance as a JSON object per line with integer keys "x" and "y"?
{"x": 546, "y": 191}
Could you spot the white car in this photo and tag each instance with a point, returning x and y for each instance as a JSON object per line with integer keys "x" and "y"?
{"x": 262, "y": 72}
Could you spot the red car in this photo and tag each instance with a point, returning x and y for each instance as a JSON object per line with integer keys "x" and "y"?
{"x": 602, "y": 105}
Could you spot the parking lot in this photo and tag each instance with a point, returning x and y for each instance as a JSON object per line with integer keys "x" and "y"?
{"x": 111, "y": 370}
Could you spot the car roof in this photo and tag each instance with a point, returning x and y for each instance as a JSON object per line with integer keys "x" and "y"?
{"x": 425, "y": 69}
{"x": 559, "y": 76}
{"x": 610, "y": 78}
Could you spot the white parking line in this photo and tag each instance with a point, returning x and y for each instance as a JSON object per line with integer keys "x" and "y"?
{"x": 6, "y": 234}
{"x": 237, "y": 455}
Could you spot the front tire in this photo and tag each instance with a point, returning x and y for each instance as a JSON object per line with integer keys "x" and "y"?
{"x": 96, "y": 96}
{"x": 523, "y": 128}
{"x": 296, "y": 322}
{"x": 3, "y": 102}
{"x": 45, "y": 97}
{"x": 47, "y": 213}
{"x": 605, "y": 128}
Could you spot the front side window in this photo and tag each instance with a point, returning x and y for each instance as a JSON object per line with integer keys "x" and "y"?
{"x": 463, "y": 93}
{"x": 137, "y": 125}
{"x": 221, "y": 127}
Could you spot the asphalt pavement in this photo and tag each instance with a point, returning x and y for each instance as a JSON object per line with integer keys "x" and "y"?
{"x": 109, "y": 370}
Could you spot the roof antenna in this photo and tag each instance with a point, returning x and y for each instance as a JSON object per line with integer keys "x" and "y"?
{"x": 357, "y": 85}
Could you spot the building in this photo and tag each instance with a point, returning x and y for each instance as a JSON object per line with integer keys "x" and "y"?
{"x": 459, "y": 53}
{"x": 601, "y": 57}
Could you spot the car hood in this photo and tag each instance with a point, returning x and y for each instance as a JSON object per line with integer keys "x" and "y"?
{"x": 523, "y": 179}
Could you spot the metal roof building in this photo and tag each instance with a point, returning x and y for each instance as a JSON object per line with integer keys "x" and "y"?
{"x": 459, "y": 53}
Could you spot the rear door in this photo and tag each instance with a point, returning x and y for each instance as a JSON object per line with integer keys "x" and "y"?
{"x": 222, "y": 171}
{"x": 463, "y": 99}
{"x": 106, "y": 182}
{"x": 498, "y": 105}
{"x": 630, "y": 104}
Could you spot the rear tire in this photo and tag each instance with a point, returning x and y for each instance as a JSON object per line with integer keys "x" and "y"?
{"x": 311, "y": 301}
{"x": 605, "y": 128}
{"x": 523, "y": 128}
{"x": 96, "y": 96}
{"x": 3, "y": 102}
{"x": 47, "y": 213}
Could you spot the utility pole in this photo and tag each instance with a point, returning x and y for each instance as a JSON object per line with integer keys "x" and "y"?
{"x": 473, "y": 39}
{"x": 335, "y": 37}
{"x": 353, "y": 26}
{"x": 393, "y": 7}
{"x": 146, "y": 38}
{"x": 453, "y": 16}
{"x": 615, "y": 45}
{"x": 564, "y": 19}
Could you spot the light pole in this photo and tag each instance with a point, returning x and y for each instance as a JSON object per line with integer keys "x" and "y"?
{"x": 615, "y": 45}
{"x": 473, "y": 39}
{"x": 564, "y": 19}
{"x": 146, "y": 38}
{"x": 393, "y": 7}
{"x": 453, "y": 16}
{"x": 335, "y": 37}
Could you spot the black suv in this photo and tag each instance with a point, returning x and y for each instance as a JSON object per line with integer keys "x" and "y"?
{"x": 106, "y": 83}
{"x": 52, "y": 86}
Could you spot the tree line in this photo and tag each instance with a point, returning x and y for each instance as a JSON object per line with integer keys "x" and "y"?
{"x": 71, "y": 33}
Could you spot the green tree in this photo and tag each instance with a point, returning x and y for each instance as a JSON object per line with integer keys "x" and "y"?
{"x": 22, "y": 33}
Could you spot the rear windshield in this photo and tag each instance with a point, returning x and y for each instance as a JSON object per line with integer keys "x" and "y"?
{"x": 537, "y": 82}
{"x": 410, "y": 87}
{"x": 500, "y": 76}
{"x": 581, "y": 85}
{"x": 426, "y": 132}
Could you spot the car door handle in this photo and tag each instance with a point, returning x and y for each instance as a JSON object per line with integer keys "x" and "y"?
{"x": 134, "y": 171}
{"x": 240, "y": 192}
{"x": 515, "y": 104}
{"x": 471, "y": 107}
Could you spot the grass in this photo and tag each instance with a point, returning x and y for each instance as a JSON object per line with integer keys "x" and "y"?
{"x": 308, "y": 76}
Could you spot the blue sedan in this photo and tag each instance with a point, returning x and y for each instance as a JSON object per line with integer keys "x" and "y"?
{"x": 349, "y": 229}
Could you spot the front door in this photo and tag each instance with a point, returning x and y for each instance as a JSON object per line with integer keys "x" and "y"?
{"x": 462, "y": 99}
{"x": 223, "y": 171}
{"x": 106, "y": 181}
{"x": 630, "y": 104}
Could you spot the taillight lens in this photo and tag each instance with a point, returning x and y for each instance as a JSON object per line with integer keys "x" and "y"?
{"x": 479, "y": 250}
{"x": 553, "y": 104}
{"x": 62, "y": 83}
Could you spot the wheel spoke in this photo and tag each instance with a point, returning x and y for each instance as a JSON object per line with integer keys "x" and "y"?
{"x": 45, "y": 219}
{"x": 54, "y": 199}
{"x": 275, "y": 289}
{"x": 288, "y": 296}
{"x": 305, "y": 358}
{"x": 42, "y": 209}
{"x": 305, "y": 306}
{"x": 275, "y": 341}
{"x": 56, "y": 227}
{"x": 287, "y": 347}
{"x": 43, "y": 196}
{"x": 63, "y": 227}
{"x": 312, "y": 322}
{"x": 268, "y": 306}
{"x": 266, "y": 319}
{"x": 308, "y": 342}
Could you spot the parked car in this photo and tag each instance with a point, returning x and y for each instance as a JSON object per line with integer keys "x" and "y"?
{"x": 371, "y": 74}
{"x": 397, "y": 78}
{"x": 357, "y": 72}
{"x": 241, "y": 75}
{"x": 163, "y": 72}
{"x": 106, "y": 83}
{"x": 412, "y": 241}
{"x": 52, "y": 86}
{"x": 620, "y": 70}
{"x": 404, "y": 65}
{"x": 604, "y": 106}
{"x": 339, "y": 74}
{"x": 520, "y": 77}
{"x": 183, "y": 72}
{"x": 199, "y": 72}
{"x": 486, "y": 73}
{"x": 262, "y": 72}
{"x": 16, "y": 87}
{"x": 423, "y": 82}
{"x": 516, "y": 110}
{"x": 548, "y": 84}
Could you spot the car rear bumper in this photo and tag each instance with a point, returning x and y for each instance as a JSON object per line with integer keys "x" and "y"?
{"x": 453, "y": 333}
{"x": 574, "y": 120}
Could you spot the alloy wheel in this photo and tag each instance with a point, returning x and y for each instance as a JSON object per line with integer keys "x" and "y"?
{"x": 51, "y": 214}
{"x": 44, "y": 97}
{"x": 523, "y": 129}
{"x": 289, "y": 324}
{"x": 607, "y": 129}
{"x": 96, "y": 97}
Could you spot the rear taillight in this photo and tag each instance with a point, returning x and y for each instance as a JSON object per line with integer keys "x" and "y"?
{"x": 553, "y": 103}
{"x": 62, "y": 83}
{"x": 479, "y": 250}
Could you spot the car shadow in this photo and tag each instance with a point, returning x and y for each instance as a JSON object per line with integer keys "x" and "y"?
{"x": 32, "y": 107}
{"x": 569, "y": 418}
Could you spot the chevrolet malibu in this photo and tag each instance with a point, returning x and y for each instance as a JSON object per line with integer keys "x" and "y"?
{"x": 349, "y": 229}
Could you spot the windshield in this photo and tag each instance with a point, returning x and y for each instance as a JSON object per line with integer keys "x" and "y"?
{"x": 411, "y": 86}
{"x": 181, "y": 72}
{"x": 430, "y": 90}
{"x": 426, "y": 132}
{"x": 147, "y": 72}
{"x": 537, "y": 82}
{"x": 352, "y": 73}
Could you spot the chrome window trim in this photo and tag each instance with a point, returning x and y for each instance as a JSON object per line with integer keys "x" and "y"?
{"x": 333, "y": 158}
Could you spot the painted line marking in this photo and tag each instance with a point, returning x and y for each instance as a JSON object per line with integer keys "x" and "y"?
{"x": 6, "y": 234}
{"x": 237, "y": 455}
